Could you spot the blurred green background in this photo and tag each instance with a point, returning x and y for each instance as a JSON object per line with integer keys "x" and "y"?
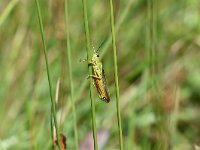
{"x": 162, "y": 116}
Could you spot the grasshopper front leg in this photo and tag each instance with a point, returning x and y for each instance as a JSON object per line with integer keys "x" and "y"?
{"x": 91, "y": 63}
{"x": 94, "y": 76}
{"x": 88, "y": 61}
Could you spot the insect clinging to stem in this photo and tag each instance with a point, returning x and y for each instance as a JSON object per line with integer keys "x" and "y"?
{"x": 99, "y": 76}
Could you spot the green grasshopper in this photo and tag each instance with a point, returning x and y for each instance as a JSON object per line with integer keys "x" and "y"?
{"x": 99, "y": 77}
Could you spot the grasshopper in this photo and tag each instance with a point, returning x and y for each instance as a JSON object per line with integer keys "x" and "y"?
{"x": 99, "y": 77}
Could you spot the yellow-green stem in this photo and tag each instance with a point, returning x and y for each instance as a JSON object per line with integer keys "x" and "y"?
{"x": 90, "y": 72}
{"x": 48, "y": 74}
{"x": 116, "y": 75}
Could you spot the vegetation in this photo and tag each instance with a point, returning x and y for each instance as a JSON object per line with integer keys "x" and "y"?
{"x": 157, "y": 45}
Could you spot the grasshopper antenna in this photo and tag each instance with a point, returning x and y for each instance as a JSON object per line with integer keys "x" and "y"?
{"x": 101, "y": 44}
{"x": 93, "y": 46}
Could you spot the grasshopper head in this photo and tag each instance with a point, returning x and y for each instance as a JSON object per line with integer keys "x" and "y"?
{"x": 96, "y": 57}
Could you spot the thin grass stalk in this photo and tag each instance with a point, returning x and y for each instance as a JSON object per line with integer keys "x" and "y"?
{"x": 4, "y": 15}
{"x": 173, "y": 117}
{"x": 90, "y": 73}
{"x": 116, "y": 75}
{"x": 52, "y": 122}
{"x": 162, "y": 125}
{"x": 152, "y": 41}
{"x": 52, "y": 132}
{"x": 147, "y": 143}
{"x": 70, "y": 75}
{"x": 48, "y": 73}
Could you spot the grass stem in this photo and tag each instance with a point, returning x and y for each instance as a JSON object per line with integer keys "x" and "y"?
{"x": 90, "y": 72}
{"x": 48, "y": 73}
{"x": 4, "y": 15}
{"x": 116, "y": 75}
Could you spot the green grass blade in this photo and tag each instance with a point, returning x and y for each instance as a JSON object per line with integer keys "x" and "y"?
{"x": 90, "y": 72}
{"x": 7, "y": 11}
{"x": 48, "y": 74}
{"x": 116, "y": 75}
{"x": 70, "y": 75}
